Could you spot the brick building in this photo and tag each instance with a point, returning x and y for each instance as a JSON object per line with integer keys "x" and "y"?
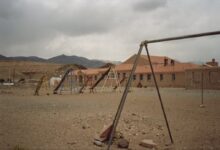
{"x": 169, "y": 73}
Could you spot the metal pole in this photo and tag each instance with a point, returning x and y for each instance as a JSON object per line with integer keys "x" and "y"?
{"x": 202, "y": 76}
{"x": 183, "y": 37}
{"x": 158, "y": 92}
{"x": 71, "y": 80}
{"x": 121, "y": 105}
{"x": 13, "y": 76}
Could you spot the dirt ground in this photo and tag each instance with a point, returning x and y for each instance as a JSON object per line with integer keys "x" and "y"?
{"x": 69, "y": 122}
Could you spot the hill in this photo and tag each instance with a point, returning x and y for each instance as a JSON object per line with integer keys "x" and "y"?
{"x": 61, "y": 59}
{"x": 3, "y": 57}
{"x": 64, "y": 59}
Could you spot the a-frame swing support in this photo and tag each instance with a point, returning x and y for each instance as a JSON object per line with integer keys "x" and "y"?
{"x": 122, "y": 102}
{"x": 62, "y": 81}
{"x": 114, "y": 78}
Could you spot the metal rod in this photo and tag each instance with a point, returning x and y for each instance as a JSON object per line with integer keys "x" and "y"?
{"x": 158, "y": 92}
{"x": 121, "y": 105}
{"x": 13, "y": 77}
{"x": 71, "y": 80}
{"x": 183, "y": 37}
{"x": 202, "y": 76}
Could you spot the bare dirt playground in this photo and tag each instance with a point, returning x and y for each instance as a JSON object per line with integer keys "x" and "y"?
{"x": 69, "y": 122}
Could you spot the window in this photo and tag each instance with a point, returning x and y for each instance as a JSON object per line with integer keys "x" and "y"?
{"x": 161, "y": 77}
{"x": 141, "y": 76}
{"x": 148, "y": 76}
{"x": 134, "y": 77}
{"x": 118, "y": 75}
{"x": 173, "y": 76}
{"x": 124, "y": 75}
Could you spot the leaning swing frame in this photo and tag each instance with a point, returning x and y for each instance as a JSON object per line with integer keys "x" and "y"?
{"x": 124, "y": 96}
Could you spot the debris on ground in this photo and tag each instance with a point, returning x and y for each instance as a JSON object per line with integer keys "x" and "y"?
{"x": 123, "y": 143}
{"x": 202, "y": 106}
{"x": 98, "y": 143}
{"x": 85, "y": 126}
{"x": 97, "y": 137}
{"x": 71, "y": 143}
{"x": 104, "y": 136}
{"x": 106, "y": 131}
{"x": 148, "y": 143}
{"x": 118, "y": 135}
{"x": 169, "y": 146}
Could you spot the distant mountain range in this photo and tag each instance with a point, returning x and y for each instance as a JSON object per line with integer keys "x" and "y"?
{"x": 62, "y": 59}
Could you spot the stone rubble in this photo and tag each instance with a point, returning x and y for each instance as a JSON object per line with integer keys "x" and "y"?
{"x": 148, "y": 143}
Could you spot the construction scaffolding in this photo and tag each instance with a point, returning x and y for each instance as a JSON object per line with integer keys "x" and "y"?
{"x": 124, "y": 96}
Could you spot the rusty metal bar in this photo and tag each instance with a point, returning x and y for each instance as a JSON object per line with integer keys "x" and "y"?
{"x": 71, "y": 81}
{"x": 158, "y": 92}
{"x": 62, "y": 80}
{"x": 202, "y": 85}
{"x": 122, "y": 102}
{"x": 100, "y": 79}
{"x": 183, "y": 37}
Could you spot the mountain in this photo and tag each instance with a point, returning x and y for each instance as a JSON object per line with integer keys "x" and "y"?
{"x": 30, "y": 58}
{"x": 3, "y": 57}
{"x": 61, "y": 59}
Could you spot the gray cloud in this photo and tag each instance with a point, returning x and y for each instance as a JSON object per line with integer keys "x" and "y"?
{"x": 26, "y": 22}
{"x": 102, "y": 29}
{"x": 148, "y": 5}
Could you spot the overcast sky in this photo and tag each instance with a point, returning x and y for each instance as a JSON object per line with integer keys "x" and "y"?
{"x": 108, "y": 29}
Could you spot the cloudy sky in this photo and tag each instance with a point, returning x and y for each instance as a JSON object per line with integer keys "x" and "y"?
{"x": 108, "y": 29}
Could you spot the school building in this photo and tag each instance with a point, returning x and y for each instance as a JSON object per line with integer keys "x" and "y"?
{"x": 169, "y": 73}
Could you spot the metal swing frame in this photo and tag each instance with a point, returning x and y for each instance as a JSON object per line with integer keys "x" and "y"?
{"x": 124, "y": 96}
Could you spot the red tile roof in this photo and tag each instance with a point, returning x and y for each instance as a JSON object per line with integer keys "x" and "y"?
{"x": 123, "y": 67}
{"x": 179, "y": 67}
{"x": 154, "y": 59}
{"x": 90, "y": 71}
{"x": 158, "y": 66}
